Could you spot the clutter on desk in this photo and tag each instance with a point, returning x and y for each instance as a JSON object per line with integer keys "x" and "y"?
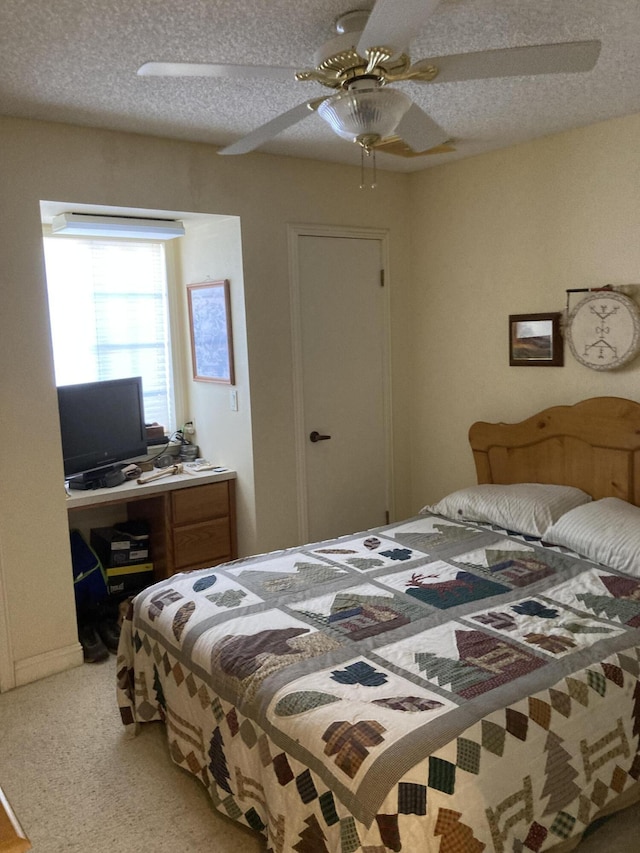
{"x": 159, "y": 473}
{"x": 131, "y": 471}
{"x": 154, "y": 433}
{"x": 199, "y": 465}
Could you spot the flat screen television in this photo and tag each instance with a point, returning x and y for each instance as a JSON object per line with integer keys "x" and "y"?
{"x": 102, "y": 423}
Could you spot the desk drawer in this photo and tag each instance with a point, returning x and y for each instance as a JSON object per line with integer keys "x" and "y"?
{"x": 200, "y": 503}
{"x": 202, "y": 544}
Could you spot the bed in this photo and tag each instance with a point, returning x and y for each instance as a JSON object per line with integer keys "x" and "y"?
{"x": 466, "y": 680}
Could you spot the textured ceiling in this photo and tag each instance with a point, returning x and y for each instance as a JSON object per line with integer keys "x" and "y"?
{"x": 75, "y": 61}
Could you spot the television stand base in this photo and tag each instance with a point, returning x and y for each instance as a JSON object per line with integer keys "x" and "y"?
{"x": 100, "y": 478}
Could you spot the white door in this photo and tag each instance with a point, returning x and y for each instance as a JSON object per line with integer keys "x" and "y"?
{"x": 342, "y": 346}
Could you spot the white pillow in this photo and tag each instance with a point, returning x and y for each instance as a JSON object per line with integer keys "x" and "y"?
{"x": 606, "y": 531}
{"x": 523, "y": 507}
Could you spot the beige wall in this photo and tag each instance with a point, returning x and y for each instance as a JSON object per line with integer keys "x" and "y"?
{"x": 470, "y": 243}
{"x": 212, "y": 250}
{"x": 48, "y": 161}
{"x": 508, "y": 233}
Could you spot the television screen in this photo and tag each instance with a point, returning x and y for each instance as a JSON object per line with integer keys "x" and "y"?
{"x": 101, "y": 423}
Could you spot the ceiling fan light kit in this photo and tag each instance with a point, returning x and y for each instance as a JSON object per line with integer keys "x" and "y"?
{"x": 365, "y": 113}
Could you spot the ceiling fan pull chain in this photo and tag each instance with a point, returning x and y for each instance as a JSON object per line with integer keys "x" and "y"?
{"x": 368, "y": 152}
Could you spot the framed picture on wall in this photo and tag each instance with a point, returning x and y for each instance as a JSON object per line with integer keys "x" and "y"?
{"x": 210, "y": 326}
{"x": 535, "y": 340}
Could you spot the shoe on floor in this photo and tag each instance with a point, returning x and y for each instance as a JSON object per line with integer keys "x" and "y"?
{"x": 93, "y": 649}
{"x": 109, "y": 633}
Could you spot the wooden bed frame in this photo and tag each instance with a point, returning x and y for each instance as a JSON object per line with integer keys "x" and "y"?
{"x": 593, "y": 445}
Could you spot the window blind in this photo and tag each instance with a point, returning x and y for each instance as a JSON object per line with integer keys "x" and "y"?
{"x": 109, "y": 315}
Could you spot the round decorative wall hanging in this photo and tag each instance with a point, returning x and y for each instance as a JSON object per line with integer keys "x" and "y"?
{"x": 603, "y": 330}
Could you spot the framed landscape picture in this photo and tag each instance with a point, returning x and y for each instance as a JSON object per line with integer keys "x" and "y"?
{"x": 210, "y": 326}
{"x": 535, "y": 340}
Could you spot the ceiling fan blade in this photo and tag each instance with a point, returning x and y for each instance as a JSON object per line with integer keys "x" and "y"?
{"x": 206, "y": 69}
{"x": 393, "y": 23}
{"x": 561, "y": 58}
{"x": 419, "y": 130}
{"x": 272, "y": 128}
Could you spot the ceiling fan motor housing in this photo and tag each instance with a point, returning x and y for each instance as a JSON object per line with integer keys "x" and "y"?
{"x": 338, "y": 61}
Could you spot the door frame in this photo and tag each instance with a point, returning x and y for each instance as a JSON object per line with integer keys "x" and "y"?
{"x": 294, "y": 232}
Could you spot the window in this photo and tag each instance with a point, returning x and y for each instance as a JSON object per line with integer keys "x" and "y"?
{"x": 108, "y": 305}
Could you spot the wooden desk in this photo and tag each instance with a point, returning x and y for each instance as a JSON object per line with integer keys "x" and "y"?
{"x": 191, "y": 517}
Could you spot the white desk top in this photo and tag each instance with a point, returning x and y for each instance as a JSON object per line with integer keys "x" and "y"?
{"x": 132, "y": 490}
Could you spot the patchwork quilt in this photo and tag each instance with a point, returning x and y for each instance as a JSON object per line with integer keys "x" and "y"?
{"x": 433, "y": 685}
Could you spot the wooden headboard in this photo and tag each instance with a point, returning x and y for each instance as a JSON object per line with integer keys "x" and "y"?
{"x": 594, "y": 445}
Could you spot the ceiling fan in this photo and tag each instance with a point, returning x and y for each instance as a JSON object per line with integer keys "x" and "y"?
{"x": 361, "y": 64}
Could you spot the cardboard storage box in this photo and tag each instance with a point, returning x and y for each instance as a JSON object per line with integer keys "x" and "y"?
{"x": 126, "y": 580}
{"x": 121, "y": 545}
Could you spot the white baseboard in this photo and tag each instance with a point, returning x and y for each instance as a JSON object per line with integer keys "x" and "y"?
{"x": 48, "y": 663}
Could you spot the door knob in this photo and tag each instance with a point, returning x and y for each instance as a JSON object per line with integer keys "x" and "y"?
{"x": 315, "y": 436}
